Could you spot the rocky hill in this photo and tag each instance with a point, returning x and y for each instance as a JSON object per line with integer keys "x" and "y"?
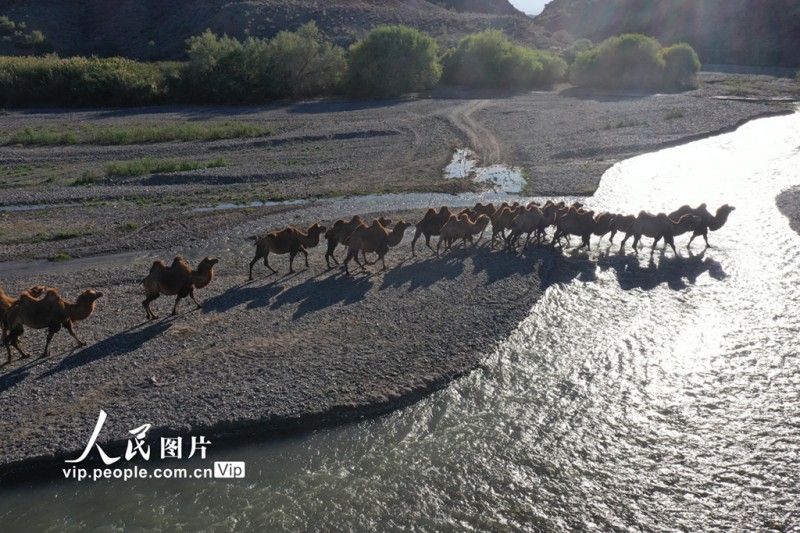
{"x": 746, "y": 32}
{"x": 158, "y": 29}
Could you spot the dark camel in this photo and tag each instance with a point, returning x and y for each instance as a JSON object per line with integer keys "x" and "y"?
{"x": 290, "y": 241}
{"x": 178, "y": 279}
{"x": 707, "y": 220}
{"x": 375, "y": 239}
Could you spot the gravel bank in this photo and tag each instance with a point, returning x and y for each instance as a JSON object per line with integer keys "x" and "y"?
{"x": 297, "y": 351}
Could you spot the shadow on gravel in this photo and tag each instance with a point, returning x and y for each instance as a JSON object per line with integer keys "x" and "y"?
{"x": 677, "y": 272}
{"x": 424, "y": 273}
{"x": 341, "y": 107}
{"x": 119, "y": 344}
{"x": 317, "y": 294}
{"x": 255, "y": 296}
{"x": 18, "y": 374}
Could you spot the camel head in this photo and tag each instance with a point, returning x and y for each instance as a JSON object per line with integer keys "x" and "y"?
{"x": 725, "y": 210}
{"x": 207, "y": 264}
{"x": 316, "y": 230}
{"x": 88, "y": 297}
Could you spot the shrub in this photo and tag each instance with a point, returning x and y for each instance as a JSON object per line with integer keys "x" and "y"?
{"x": 489, "y": 59}
{"x": 581, "y": 45}
{"x": 301, "y": 64}
{"x": 225, "y": 70}
{"x": 681, "y": 66}
{"x": 392, "y": 60}
{"x": 81, "y": 81}
{"x": 630, "y": 61}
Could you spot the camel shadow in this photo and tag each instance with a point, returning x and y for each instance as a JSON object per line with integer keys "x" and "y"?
{"x": 116, "y": 345}
{"x": 256, "y": 296}
{"x": 498, "y": 266}
{"x": 676, "y": 272}
{"x": 560, "y": 268}
{"x": 424, "y": 273}
{"x": 17, "y": 375}
{"x": 316, "y": 294}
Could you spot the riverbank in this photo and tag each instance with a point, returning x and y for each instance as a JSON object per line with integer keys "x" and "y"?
{"x": 296, "y": 351}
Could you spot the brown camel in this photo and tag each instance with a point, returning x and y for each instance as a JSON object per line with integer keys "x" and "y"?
{"x": 340, "y": 234}
{"x": 177, "y": 279}
{"x": 707, "y": 220}
{"x": 375, "y": 239}
{"x": 431, "y": 224}
{"x": 583, "y": 224}
{"x": 51, "y": 312}
{"x": 659, "y": 226}
{"x": 7, "y": 302}
{"x": 620, "y": 223}
{"x": 290, "y": 241}
{"x": 461, "y": 227}
{"x": 502, "y": 219}
{"x": 531, "y": 219}
{"x": 485, "y": 209}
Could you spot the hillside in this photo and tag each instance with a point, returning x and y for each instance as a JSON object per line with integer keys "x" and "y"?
{"x": 746, "y": 32}
{"x": 154, "y": 29}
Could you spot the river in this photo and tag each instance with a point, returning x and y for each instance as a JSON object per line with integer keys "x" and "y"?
{"x": 645, "y": 394}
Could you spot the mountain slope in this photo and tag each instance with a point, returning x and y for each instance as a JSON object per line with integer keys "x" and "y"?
{"x": 749, "y": 32}
{"x": 155, "y": 29}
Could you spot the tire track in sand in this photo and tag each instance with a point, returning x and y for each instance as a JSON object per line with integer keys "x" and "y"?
{"x": 481, "y": 140}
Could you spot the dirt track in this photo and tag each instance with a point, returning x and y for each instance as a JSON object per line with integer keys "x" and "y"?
{"x": 313, "y": 347}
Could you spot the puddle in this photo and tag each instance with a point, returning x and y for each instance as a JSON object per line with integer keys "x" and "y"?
{"x": 501, "y": 177}
{"x": 40, "y": 207}
{"x": 221, "y": 207}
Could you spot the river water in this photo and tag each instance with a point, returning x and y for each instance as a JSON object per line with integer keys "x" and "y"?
{"x": 644, "y": 394}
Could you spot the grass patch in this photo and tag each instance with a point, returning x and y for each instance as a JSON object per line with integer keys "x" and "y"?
{"x": 87, "y": 178}
{"x": 60, "y": 256}
{"x": 137, "y": 134}
{"x": 627, "y": 123}
{"x": 675, "y": 113}
{"x": 149, "y": 165}
{"x": 130, "y": 226}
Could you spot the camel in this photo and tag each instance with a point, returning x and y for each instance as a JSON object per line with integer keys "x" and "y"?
{"x": 176, "y": 279}
{"x": 659, "y": 226}
{"x": 51, "y": 312}
{"x": 461, "y": 227}
{"x": 340, "y": 234}
{"x": 7, "y": 302}
{"x": 290, "y": 241}
{"x": 620, "y": 223}
{"x": 485, "y": 209}
{"x": 531, "y": 219}
{"x": 707, "y": 220}
{"x": 582, "y": 223}
{"x": 373, "y": 238}
{"x": 430, "y": 224}
{"x": 502, "y": 219}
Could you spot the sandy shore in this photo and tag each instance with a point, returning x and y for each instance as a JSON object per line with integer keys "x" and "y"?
{"x": 297, "y": 351}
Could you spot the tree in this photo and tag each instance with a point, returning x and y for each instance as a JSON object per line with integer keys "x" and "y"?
{"x": 392, "y": 60}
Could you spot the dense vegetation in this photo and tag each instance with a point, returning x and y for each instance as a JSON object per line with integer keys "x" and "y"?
{"x": 392, "y": 60}
{"x": 633, "y": 61}
{"x": 744, "y": 32}
{"x": 490, "y": 60}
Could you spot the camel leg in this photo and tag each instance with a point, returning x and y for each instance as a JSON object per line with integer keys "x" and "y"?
{"x": 148, "y": 309}
{"x": 439, "y": 245}
{"x": 622, "y": 246}
{"x": 329, "y": 254}
{"x": 252, "y": 263}
{"x": 51, "y": 332}
{"x": 350, "y": 255}
{"x": 191, "y": 295}
{"x": 705, "y": 238}
{"x": 428, "y": 243}
{"x": 305, "y": 254}
{"x": 414, "y": 241}
{"x": 175, "y": 307}
{"x": 671, "y": 241}
{"x": 266, "y": 263}
{"x": 611, "y": 238}
{"x": 68, "y": 324}
{"x": 383, "y": 263}
{"x": 13, "y": 340}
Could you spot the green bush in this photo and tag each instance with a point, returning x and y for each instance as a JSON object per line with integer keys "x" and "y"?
{"x": 302, "y": 64}
{"x": 630, "y": 61}
{"x": 79, "y": 81}
{"x": 292, "y": 64}
{"x": 488, "y": 59}
{"x": 681, "y": 66}
{"x": 581, "y": 45}
{"x": 392, "y": 60}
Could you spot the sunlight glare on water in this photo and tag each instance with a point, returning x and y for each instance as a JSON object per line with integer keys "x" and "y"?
{"x": 638, "y": 394}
